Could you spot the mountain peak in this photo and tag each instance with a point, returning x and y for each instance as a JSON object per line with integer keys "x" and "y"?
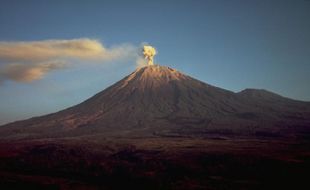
{"x": 158, "y": 71}
{"x": 153, "y": 76}
{"x": 259, "y": 93}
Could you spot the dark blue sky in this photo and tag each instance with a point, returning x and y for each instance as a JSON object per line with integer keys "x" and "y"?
{"x": 233, "y": 44}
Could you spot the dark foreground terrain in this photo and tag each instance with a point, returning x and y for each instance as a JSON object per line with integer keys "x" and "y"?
{"x": 156, "y": 163}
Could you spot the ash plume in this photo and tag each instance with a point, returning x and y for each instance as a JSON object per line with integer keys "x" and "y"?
{"x": 149, "y": 52}
{"x": 27, "y": 61}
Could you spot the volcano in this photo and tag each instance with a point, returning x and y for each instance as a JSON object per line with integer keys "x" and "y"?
{"x": 160, "y": 101}
{"x": 160, "y": 129}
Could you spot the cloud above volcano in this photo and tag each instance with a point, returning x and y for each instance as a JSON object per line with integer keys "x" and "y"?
{"x": 29, "y": 72}
{"x": 32, "y": 60}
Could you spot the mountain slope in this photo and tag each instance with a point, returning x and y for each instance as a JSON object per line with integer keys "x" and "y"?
{"x": 158, "y": 100}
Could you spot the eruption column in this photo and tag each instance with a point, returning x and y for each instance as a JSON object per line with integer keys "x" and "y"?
{"x": 149, "y": 52}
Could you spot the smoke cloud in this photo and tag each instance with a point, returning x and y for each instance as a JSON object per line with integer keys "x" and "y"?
{"x": 84, "y": 48}
{"x": 29, "y": 61}
{"x": 149, "y": 52}
{"x": 29, "y": 72}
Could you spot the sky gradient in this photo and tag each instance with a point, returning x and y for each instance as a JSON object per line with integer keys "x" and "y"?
{"x": 233, "y": 44}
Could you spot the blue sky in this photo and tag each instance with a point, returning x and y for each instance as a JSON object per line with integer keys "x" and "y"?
{"x": 230, "y": 44}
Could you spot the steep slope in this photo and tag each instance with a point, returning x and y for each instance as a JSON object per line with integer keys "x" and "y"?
{"x": 158, "y": 100}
